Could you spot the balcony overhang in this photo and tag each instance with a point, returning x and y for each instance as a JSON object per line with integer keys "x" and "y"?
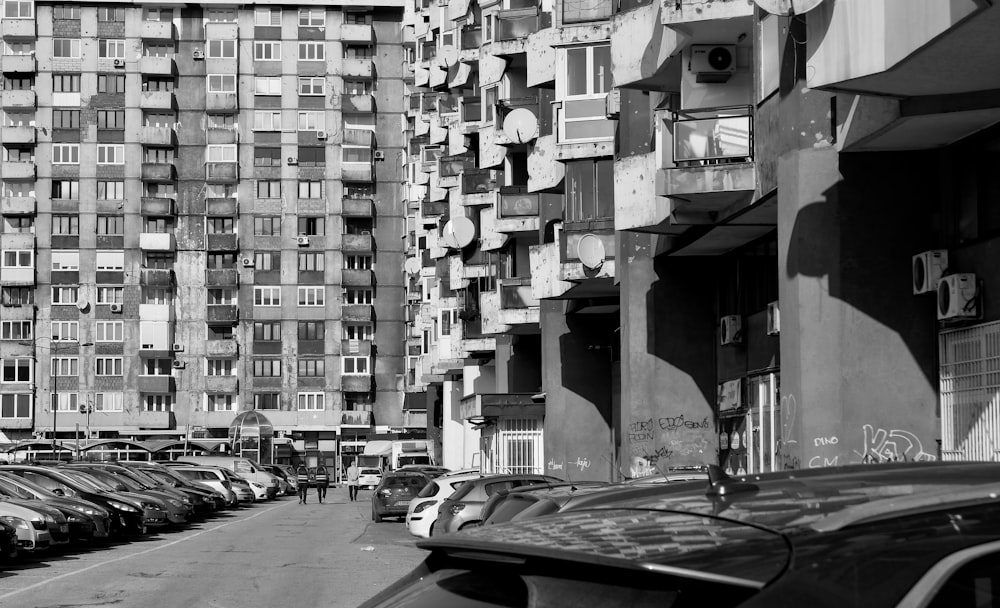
{"x": 654, "y": 65}
{"x": 711, "y": 188}
{"x": 737, "y": 231}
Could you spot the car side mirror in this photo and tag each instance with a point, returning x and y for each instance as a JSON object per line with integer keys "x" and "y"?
{"x": 58, "y": 492}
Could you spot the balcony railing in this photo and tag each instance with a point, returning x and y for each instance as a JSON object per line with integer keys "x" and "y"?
{"x": 520, "y": 23}
{"x": 452, "y": 166}
{"x": 583, "y": 11}
{"x": 518, "y": 202}
{"x": 472, "y": 37}
{"x": 725, "y": 136}
{"x": 516, "y": 293}
{"x": 472, "y": 109}
{"x": 478, "y": 181}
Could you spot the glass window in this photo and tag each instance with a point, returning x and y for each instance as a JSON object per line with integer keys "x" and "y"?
{"x": 66, "y": 11}
{"x": 221, "y": 83}
{"x": 267, "y": 51}
{"x": 18, "y": 9}
{"x": 267, "y": 157}
{"x": 310, "y": 189}
{"x": 66, "y": 188}
{"x": 267, "y": 225}
{"x": 108, "y": 366}
{"x": 66, "y": 154}
{"x": 65, "y": 295}
{"x": 311, "y": 226}
{"x": 312, "y": 51}
{"x": 267, "y": 368}
{"x": 311, "y": 261}
{"x": 111, "y": 49}
{"x": 312, "y": 85}
{"x": 220, "y": 402}
{"x": 311, "y": 401}
{"x": 221, "y": 153}
{"x": 311, "y": 368}
{"x": 110, "y": 154}
{"x": 67, "y": 48}
{"x": 355, "y": 365}
{"x": 267, "y": 120}
{"x": 267, "y": 296}
{"x": 221, "y": 49}
{"x": 268, "y": 188}
{"x": 311, "y": 330}
{"x": 111, "y": 83}
{"x": 267, "y": 331}
{"x": 110, "y": 13}
{"x": 63, "y": 225}
{"x": 266, "y": 16}
{"x": 109, "y": 402}
{"x": 109, "y": 331}
{"x": 267, "y": 85}
{"x": 266, "y": 401}
{"x": 65, "y": 83}
{"x": 111, "y": 225}
{"x": 267, "y": 260}
{"x": 220, "y": 367}
{"x": 312, "y": 121}
{"x": 157, "y": 403}
{"x": 312, "y": 17}
{"x": 312, "y": 296}
{"x": 111, "y": 119}
{"x": 110, "y": 190}
{"x": 16, "y": 330}
{"x": 15, "y": 405}
{"x": 110, "y": 294}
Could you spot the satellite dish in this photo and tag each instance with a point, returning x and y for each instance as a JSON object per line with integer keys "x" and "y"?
{"x": 447, "y": 56}
{"x": 520, "y": 125}
{"x": 458, "y": 232}
{"x": 788, "y": 7}
{"x": 411, "y": 265}
{"x": 82, "y": 304}
{"x": 590, "y": 250}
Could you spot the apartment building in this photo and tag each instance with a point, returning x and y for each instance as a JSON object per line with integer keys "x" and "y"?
{"x": 201, "y": 216}
{"x": 661, "y": 233}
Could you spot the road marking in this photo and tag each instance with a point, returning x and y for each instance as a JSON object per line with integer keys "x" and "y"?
{"x": 137, "y": 554}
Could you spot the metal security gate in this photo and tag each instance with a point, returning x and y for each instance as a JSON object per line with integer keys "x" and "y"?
{"x": 970, "y": 393}
{"x": 515, "y": 447}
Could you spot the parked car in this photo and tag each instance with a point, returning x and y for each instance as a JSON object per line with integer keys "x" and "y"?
{"x": 169, "y": 477}
{"x": 369, "y": 477}
{"x": 243, "y": 467}
{"x": 8, "y": 541}
{"x": 430, "y": 470}
{"x": 176, "y": 511}
{"x": 32, "y": 530}
{"x": 464, "y": 508}
{"x": 393, "y": 494}
{"x": 285, "y": 473}
{"x": 423, "y": 510}
{"x": 217, "y": 478}
{"x": 534, "y": 501}
{"x": 86, "y": 519}
{"x": 872, "y": 536}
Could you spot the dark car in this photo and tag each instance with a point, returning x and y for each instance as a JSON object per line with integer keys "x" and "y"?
{"x": 203, "y": 499}
{"x": 86, "y": 520}
{"x": 8, "y": 541}
{"x": 393, "y": 494}
{"x": 859, "y": 536}
{"x": 546, "y": 498}
{"x": 464, "y": 508}
{"x": 176, "y": 511}
{"x": 430, "y": 470}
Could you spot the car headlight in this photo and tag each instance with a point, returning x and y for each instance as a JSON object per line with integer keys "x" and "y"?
{"x": 74, "y": 518}
{"x": 420, "y": 508}
{"x": 385, "y": 492}
{"x": 82, "y": 509}
{"x": 257, "y": 485}
{"x": 16, "y": 522}
{"x": 151, "y": 505}
{"x": 122, "y": 506}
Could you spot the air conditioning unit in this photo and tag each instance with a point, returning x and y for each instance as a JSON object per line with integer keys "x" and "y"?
{"x": 613, "y": 103}
{"x": 198, "y": 55}
{"x": 119, "y": 63}
{"x": 177, "y": 348}
{"x": 731, "y": 330}
{"x": 773, "y": 319}
{"x": 321, "y": 135}
{"x": 247, "y": 262}
{"x": 928, "y": 268}
{"x": 713, "y": 63}
{"x": 292, "y": 160}
{"x": 303, "y": 241}
{"x": 378, "y": 155}
{"x": 177, "y": 365}
{"x": 116, "y": 308}
{"x": 958, "y": 297}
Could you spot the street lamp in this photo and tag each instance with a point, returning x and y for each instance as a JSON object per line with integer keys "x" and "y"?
{"x": 55, "y": 348}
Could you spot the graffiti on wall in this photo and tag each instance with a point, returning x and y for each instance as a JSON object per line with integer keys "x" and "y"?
{"x": 653, "y": 443}
{"x": 891, "y": 445}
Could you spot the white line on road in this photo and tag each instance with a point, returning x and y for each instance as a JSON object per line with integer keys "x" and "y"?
{"x": 131, "y": 555}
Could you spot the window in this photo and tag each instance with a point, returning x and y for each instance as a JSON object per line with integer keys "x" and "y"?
{"x": 222, "y": 83}
{"x": 65, "y": 295}
{"x": 18, "y": 258}
{"x": 220, "y": 225}
{"x": 66, "y": 188}
{"x": 358, "y": 331}
{"x": 158, "y": 155}
{"x": 267, "y": 85}
{"x": 111, "y": 225}
{"x": 110, "y": 260}
{"x": 363, "y": 122}
{"x": 310, "y": 189}
{"x": 313, "y": 261}
{"x": 65, "y": 225}
{"x": 17, "y": 296}
{"x": 589, "y": 189}
{"x": 66, "y": 48}
{"x": 312, "y": 17}
{"x": 220, "y": 367}
{"x": 109, "y": 402}
{"x": 18, "y": 9}
{"x": 355, "y": 365}
{"x": 220, "y": 15}
{"x": 312, "y": 121}
{"x": 222, "y": 121}
{"x": 312, "y": 51}
{"x": 65, "y": 83}
{"x": 352, "y": 190}
{"x": 266, "y": 157}
{"x": 312, "y": 156}
{"x": 16, "y": 83}
{"x": 157, "y": 84}
{"x": 158, "y": 190}
{"x": 267, "y": 120}
{"x": 266, "y": 401}
{"x": 110, "y": 154}
{"x": 357, "y": 18}
{"x": 111, "y": 49}
{"x": 65, "y": 260}
{"x": 267, "y": 225}
{"x": 311, "y": 401}
{"x": 311, "y": 368}
{"x": 65, "y": 331}
{"x": 111, "y": 119}
{"x": 222, "y": 296}
{"x": 220, "y": 333}
{"x": 311, "y": 226}
{"x": 357, "y": 51}
{"x": 267, "y": 331}
{"x": 220, "y": 260}
{"x": 156, "y": 367}
{"x": 267, "y": 296}
{"x": 266, "y": 16}
{"x": 312, "y": 330}
{"x": 157, "y": 14}
{"x": 110, "y": 190}
{"x": 106, "y": 13}
{"x": 358, "y": 262}
{"x": 358, "y": 295}
{"x": 110, "y": 294}
{"x": 65, "y": 366}
{"x": 356, "y": 154}
{"x": 312, "y": 85}
{"x": 157, "y": 403}
{"x": 268, "y": 188}
{"x": 65, "y": 154}
{"x": 108, "y": 366}
{"x": 15, "y": 405}
{"x": 17, "y": 223}
{"x": 267, "y": 51}
{"x": 221, "y": 49}
{"x": 159, "y": 119}
{"x": 110, "y": 331}
{"x": 66, "y": 402}
{"x": 66, "y": 11}
{"x": 157, "y": 295}
{"x": 587, "y": 81}
{"x": 357, "y": 87}
{"x": 267, "y": 260}
{"x": 111, "y": 83}
{"x": 158, "y": 49}
{"x": 222, "y": 153}
{"x": 220, "y": 402}
{"x": 267, "y": 368}
{"x": 312, "y": 296}
{"x": 15, "y": 330}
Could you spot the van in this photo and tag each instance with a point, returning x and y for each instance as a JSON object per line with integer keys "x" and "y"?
{"x": 243, "y": 467}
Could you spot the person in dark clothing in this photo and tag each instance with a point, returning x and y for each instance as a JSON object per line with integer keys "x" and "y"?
{"x": 322, "y": 481}
{"x": 302, "y": 479}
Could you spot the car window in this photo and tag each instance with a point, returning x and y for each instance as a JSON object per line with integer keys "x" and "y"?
{"x": 14, "y": 490}
{"x": 370, "y": 472}
{"x": 243, "y": 467}
{"x": 429, "y": 490}
{"x": 493, "y": 488}
{"x": 42, "y": 480}
{"x": 975, "y": 584}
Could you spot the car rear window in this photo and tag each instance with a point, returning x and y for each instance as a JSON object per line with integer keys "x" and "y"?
{"x": 429, "y": 490}
{"x": 406, "y": 482}
{"x": 370, "y": 472}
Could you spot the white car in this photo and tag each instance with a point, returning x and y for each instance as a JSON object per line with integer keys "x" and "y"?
{"x": 369, "y": 477}
{"x": 423, "y": 511}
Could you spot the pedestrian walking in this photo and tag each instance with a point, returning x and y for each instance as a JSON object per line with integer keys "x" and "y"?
{"x": 302, "y": 479}
{"x": 352, "y": 480}
{"x": 322, "y": 481}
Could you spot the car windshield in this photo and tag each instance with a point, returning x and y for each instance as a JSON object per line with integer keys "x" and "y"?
{"x": 89, "y": 483}
{"x": 28, "y": 486}
{"x": 163, "y": 477}
{"x": 405, "y": 481}
{"x": 11, "y": 489}
{"x": 143, "y": 477}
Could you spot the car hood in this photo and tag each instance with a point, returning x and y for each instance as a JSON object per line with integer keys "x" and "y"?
{"x": 71, "y": 504}
{"x": 14, "y": 509}
{"x": 41, "y": 507}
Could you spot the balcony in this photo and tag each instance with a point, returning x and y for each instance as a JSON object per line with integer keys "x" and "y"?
{"x": 17, "y": 276}
{"x": 157, "y": 66}
{"x": 357, "y": 243}
{"x": 149, "y": 420}
{"x": 357, "y": 278}
{"x": 157, "y": 30}
{"x": 453, "y": 166}
{"x": 158, "y": 172}
{"x": 222, "y": 242}
{"x": 221, "y": 314}
{"x": 220, "y": 419}
{"x": 517, "y": 303}
{"x": 18, "y": 28}
{"x": 518, "y": 24}
{"x": 415, "y": 420}
{"x": 645, "y": 65}
{"x": 358, "y": 68}
{"x": 478, "y": 181}
{"x": 495, "y": 405}
{"x": 435, "y": 209}
{"x": 17, "y": 170}
{"x": 221, "y": 277}
{"x": 157, "y": 136}
{"x": 17, "y": 205}
{"x": 356, "y": 32}
{"x": 358, "y": 137}
{"x": 471, "y": 109}
{"x": 20, "y": 64}
{"x": 222, "y": 384}
{"x": 355, "y": 383}
{"x": 156, "y": 384}
{"x": 158, "y": 206}
{"x": 157, "y": 241}
{"x": 357, "y": 103}
{"x": 356, "y": 418}
{"x": 221, "y": 103}
{"x": 357, "y": 172}
{"x": 18, "y": 135}
{"x": 17, "y": 99}
{"x": 356, "y": 347}
{"x": 156, "y": 100}
{"x": 221, "y": 348}
{"x": 585, "y": 11}
{"x": 471, "y": 38}
{"x": 357, "y": 312}
{"x": 222, "y": 172}
{"x": 358, "y": 207}
{"x": 221, "y": 206}
{"x": 159, "y": 277}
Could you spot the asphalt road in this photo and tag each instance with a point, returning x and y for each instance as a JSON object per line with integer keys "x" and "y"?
{"x": 278, "y": 553}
